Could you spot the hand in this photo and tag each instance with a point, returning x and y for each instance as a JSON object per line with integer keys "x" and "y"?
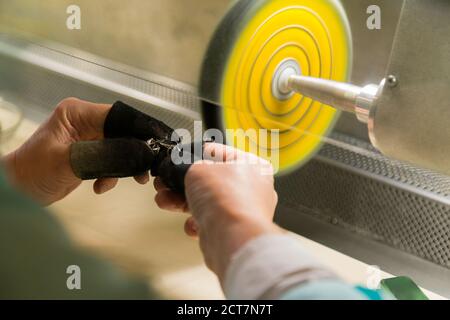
{"x": 232, "y": 201}
{"x": 41, "y": 167}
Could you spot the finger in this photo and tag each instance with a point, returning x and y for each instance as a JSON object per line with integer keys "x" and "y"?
{"x": 86, "y": 117}
{"x": 104, "y": 185}
{"x": 224, "y": 153}
{"x": 171, "y": 201}
{"x": 159, "y": 185}
{"x": 142, "y": 179}
{"x": 219, "y": 152}
{"x": 191, "y": 228}
{"x": 275, "y": 198}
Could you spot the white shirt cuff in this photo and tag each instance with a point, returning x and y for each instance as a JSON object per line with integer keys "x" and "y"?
{"x": 268, "y": 266}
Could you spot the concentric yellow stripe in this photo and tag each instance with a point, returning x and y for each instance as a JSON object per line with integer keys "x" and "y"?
{"x": 312, "y": 32}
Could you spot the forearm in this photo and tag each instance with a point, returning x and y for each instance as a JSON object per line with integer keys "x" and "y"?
{"x": 276, "y": 267}
{"x": 229, "y": 239}
{"x": 20, "y": 170}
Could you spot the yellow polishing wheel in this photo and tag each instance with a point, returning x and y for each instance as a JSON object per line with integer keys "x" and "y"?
{"x": 258, "y": 44}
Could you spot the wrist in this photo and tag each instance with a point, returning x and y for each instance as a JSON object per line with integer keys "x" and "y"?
{"x": 19, "y": 176}
{"x": 233, "y": 236}
{"x": 9, "y": 164}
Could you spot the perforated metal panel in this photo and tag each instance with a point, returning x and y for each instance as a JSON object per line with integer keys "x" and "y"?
{"x": 372, "y": 197}
{"x": 389, "y": 202}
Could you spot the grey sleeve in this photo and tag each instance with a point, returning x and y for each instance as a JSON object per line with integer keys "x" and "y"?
{"x": 270, "y": 266}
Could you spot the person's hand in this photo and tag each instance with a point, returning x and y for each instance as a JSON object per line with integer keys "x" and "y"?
{"x": 41, "y": 167}
{"x": 232, "y": 201}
